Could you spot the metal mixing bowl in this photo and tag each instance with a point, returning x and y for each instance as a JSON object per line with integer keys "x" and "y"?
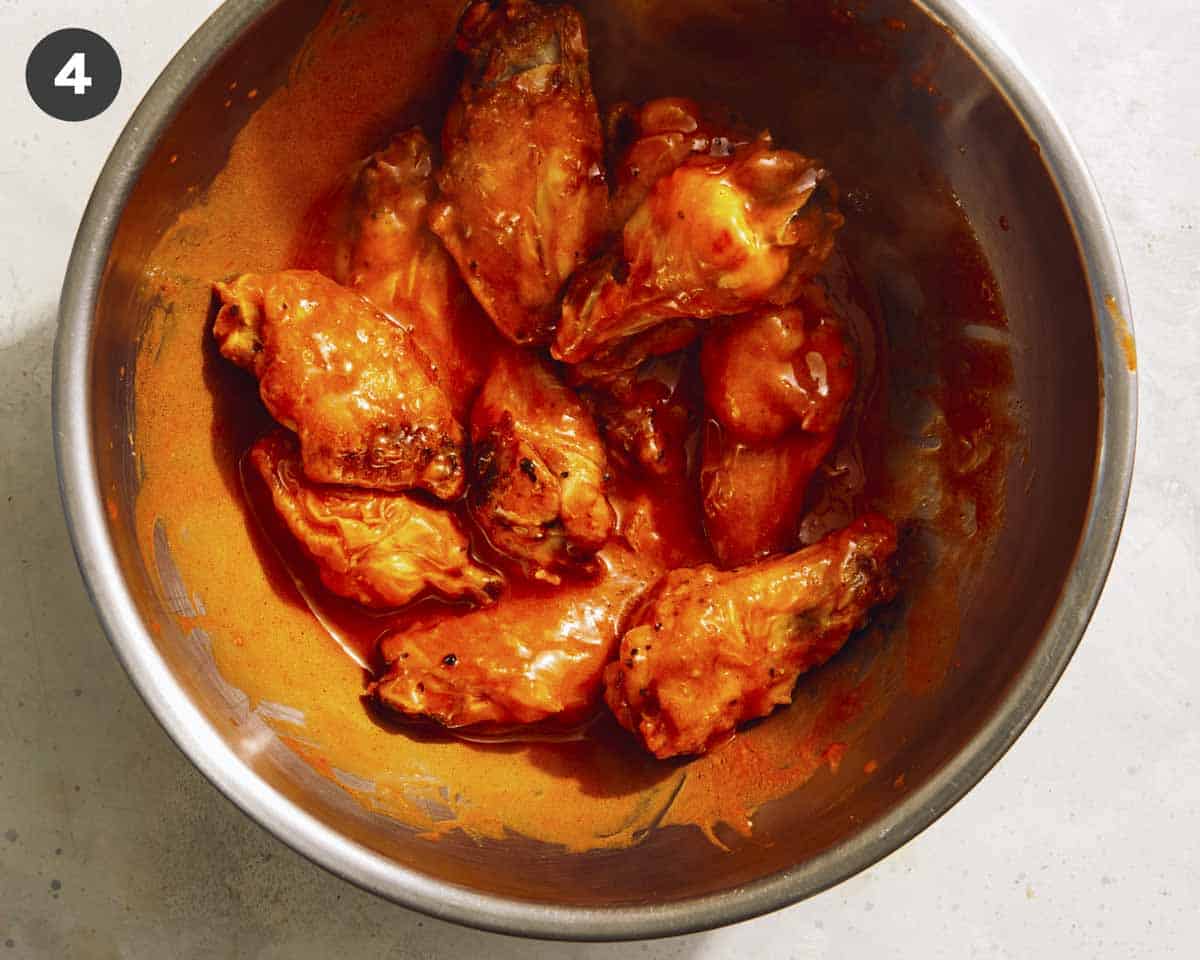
{"x": 1065, "y": 297}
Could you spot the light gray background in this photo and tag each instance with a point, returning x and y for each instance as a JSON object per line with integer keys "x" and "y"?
{"x": 1083, "y": 842}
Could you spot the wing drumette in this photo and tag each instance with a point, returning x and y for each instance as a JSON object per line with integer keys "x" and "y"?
{"x": 708, "y": 649}
{"x": 348, "y": 380}
{"x": 776, "y": 385}
{"x": 524, "y": 190}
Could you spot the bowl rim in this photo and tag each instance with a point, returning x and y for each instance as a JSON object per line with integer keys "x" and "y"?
{"x": 199, "y": 741}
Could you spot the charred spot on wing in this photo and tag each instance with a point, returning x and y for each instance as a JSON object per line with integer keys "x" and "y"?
{"x": 487, "y": 469}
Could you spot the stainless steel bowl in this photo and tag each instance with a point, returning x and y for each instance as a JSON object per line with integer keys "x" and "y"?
{"x": 1065, "y": 296}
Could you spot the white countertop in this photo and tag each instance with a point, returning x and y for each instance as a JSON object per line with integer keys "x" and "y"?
{"x": 1083, "y": 842}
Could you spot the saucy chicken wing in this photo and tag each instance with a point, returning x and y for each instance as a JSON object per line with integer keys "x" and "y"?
{"x": 717, "y": 236}
{"x": 352, "y": 383}
{"x": 380, "y": 549}
{"x": 525, "y": 660}
{"x": 708, "y": 649}
{"x": 776, "y": 385}
{"x": 524, "y": 191}
{"x": 540, "y": 469}
{"x": 393, "y": 259}
{"x": 650, "y": 141}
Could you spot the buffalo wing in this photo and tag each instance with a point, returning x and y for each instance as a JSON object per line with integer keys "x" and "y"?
{"x": 716, "y": 236}
{"x": 540, "y": 469}
{"x": 708, "y": 649}
{"x": 381, "y": 549}
{"x": 524, "y": 190}
{"x": 347, "y": 379}
{"x": 525, "y": 660}
{"x": 392, "y": 258}
{"x": 776, "y": 384}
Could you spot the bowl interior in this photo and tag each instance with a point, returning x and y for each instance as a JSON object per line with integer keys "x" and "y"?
{"x": 871, "y": 84}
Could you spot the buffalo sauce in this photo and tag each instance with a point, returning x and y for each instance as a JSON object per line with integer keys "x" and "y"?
{"x": 926, "y": 440}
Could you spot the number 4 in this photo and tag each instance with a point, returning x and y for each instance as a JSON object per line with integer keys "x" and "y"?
{"x": 74, "y": 75}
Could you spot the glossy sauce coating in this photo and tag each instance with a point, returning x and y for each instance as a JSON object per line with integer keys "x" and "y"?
{"x": 539, "y": 469}
{"x": 382, "y": 550}
{"x": 534, "y": 658}
{"x": 387, "y": 253}
{"x": 707, "y": 650}
{"x": 352, "y": 383}
{"x": 524, "y": 193}
{"x": 715, "y": 236}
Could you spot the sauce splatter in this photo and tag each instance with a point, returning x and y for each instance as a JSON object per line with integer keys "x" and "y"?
{"x": 1124, "y": 334}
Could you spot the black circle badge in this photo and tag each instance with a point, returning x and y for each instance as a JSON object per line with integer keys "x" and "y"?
{"x": 73, "y": 74}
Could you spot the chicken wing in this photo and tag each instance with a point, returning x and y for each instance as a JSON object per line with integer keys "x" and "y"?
{"x": 348, "y": 380}
{"x": 391, "y": 257}
{"x": 717, "y": 236}
{"x": 776, "y": 386}
{"x": 525, "y": 660}
{"x": 708, "y": 649}
{"x": 540, "y": 469}
{"x": 525, "y": 194}
{"x": 380, "y": 549}
{"x": 650, "y": 141}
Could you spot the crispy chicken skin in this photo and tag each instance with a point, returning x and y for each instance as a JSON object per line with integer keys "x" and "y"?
{"x": 776, "y": 385}
{"x": 539, "y": 469}
{"x": 524, "y": 192}
{"x": 525, "y": 660}
{"x": 393, "y": 259}
{"x": 717, "y": 236}
{"x": 352, "y": 383}
{"x": 707, "y": 649}
{"x": 380, "y": 549}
